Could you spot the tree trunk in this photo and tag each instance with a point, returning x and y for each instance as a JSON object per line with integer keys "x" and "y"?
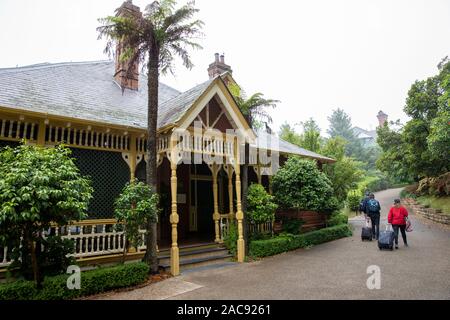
{"x": 34, "y": 262}
{"x": 151, "y": 257}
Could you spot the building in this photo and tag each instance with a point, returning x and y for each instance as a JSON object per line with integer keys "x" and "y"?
{"x": 100, "y": 112}
{"x": 369, "y": 137}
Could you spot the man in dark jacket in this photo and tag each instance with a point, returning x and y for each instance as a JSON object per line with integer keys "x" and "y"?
{"x": 363, "y": 202}
{"x": 372, "y": 208}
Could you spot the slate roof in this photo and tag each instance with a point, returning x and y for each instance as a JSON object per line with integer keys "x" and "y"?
{"x": 86, "y": 90}
{"x": 365, "y": 134}
{"x": 272, "y": 142}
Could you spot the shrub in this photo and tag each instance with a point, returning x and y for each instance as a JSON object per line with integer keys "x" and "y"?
{"x": 92, "y": 282}
{"x": 337, "y": 219}
{"x": 291, "y": 225}
{"x": 300, "y": 185}
{"x": 231, "y": 237}
{"x": 353, "y": 200}
{"x": 283, "y": 243}
{"x": 260, "y": 205}
{"x": 136, "y": 206}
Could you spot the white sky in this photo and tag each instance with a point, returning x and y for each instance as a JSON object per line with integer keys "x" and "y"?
{"x": 314, "y": 56}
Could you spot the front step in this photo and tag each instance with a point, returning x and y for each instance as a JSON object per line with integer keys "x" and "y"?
{"x": 196, "y": 255}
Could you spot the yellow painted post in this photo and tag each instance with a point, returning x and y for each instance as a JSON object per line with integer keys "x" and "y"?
{"x": 230, "y": 192}
{"x": 174, "y": 218}
{"x": 216, "y": 215}
{"x": 133, "y": 156}
{"x": 239, "y": 213}
{"x": 41, "y": 133}
{"x": 258, "y": 173}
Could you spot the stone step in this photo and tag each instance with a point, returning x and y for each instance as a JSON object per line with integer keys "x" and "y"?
{"x": 164, "y": 258}
{"x": 187, "y": 264}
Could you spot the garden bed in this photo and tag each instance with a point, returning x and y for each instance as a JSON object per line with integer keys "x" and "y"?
{"x": 92, "y": 282}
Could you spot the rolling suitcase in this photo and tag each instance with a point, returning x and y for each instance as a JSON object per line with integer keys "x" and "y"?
{"x": 366, "y": 232}
{"x": 386, "y": 239}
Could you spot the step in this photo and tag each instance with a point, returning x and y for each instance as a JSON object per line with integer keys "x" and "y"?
{"x": 191, "y": 254}
{"x": 191, "y": 247}
{"x": 186, "y": 264}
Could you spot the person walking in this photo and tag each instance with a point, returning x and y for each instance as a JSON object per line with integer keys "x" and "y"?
{"x": 397, "y": 217}
{"x": 373, "y": 210}
{"x": 363, "y": 203}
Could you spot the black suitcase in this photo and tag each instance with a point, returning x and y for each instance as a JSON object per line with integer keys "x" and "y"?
{"x": 386, "y": 239}
{"x": 366, "y": 232}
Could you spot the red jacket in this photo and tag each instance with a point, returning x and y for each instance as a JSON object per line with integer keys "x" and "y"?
{"x": 397, "y": 215}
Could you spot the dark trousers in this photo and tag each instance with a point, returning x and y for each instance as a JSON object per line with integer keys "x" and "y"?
{"x": 402, "y": 228}
{"x": 375, "y": 220}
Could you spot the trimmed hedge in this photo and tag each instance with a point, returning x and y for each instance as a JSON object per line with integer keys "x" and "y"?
{"x": 92, "y": 282}
{"x": 264, "y": 248}
{"x": 337, "y": 220}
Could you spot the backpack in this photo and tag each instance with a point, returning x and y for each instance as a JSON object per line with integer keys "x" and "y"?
{"x": 373, "y": 205}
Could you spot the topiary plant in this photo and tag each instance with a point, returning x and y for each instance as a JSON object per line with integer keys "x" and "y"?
{"x": 299, "y": 184}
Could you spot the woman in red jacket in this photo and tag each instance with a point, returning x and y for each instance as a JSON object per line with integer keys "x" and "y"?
{"x": 397, "y": 217}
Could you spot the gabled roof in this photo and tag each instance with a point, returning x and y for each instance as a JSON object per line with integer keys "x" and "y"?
{"x": 365, "y": 134}
{"x": 81, "y": 90}
{"x": 272, "y": 142}
{"x": 87, "y": 91}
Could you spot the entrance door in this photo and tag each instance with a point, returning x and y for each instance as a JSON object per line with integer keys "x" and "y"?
{"x": 202, "y": 207}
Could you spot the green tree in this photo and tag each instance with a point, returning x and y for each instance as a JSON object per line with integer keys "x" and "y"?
{"x": 287, "y": 133}
{"x": 311, "y": 139}
{"x": 38, "y": 186}
{"x": 341, "y": 126}
{"x": 420, "y": 148}
{"x": 136, "y": 206}
{"x": 154, "y": 39}
{"x": 345, "y": 173}
{"x": 392, "y": 160}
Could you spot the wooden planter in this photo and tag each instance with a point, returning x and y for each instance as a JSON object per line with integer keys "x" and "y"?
{"x": 312, "y": 220}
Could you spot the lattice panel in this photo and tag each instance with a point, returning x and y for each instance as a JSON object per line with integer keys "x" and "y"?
{"x": 141, "y": 171}
{"x": 109, "y": 174}
{"x": 17, "y": 129}
{"x": 12, "y": 144}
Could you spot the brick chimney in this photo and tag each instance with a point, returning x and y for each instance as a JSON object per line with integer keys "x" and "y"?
{"x": 131, "y": 81}
{"x": 382, "y": 118}
{"x": 218, "y": 66}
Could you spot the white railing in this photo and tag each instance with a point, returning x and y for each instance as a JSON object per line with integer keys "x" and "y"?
{"x": 224, "y": 225}
{"x": 92, "y": 238}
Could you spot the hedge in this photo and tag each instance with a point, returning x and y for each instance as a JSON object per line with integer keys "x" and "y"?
{"x": 337, "y": 220}
{"x": 270, "y": 247}
{"x": 92, "y": 282}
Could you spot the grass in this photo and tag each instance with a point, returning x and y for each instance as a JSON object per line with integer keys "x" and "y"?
{"x": 442, "y": 203}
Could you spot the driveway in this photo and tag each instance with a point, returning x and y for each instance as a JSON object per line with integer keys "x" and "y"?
{"x": 335, "y": 270}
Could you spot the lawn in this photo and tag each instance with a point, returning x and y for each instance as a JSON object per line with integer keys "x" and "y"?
{"x": 442, "y": 203}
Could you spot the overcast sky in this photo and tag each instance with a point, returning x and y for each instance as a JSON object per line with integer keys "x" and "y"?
{"x": 314, "y": 56}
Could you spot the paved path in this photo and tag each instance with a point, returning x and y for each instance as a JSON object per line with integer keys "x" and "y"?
{"x": 335, "y": 270}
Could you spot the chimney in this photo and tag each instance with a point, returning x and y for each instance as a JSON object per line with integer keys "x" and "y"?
{"x": 382, "y": 118}
{"x": 218, "y": 66}
{"x": 131, "y": 81}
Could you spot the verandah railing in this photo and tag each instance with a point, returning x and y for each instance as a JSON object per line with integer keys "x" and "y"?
{"x": 92, "y": 238}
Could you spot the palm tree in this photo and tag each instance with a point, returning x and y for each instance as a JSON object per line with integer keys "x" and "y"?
{"x": 254, "y": 110}
{"x": 153, "y": 39}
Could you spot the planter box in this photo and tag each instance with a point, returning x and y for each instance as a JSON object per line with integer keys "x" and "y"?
{"x": 312, "y": 220}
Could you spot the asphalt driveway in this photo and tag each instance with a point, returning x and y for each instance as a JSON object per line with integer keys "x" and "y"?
{"x": 335, "y": 270}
